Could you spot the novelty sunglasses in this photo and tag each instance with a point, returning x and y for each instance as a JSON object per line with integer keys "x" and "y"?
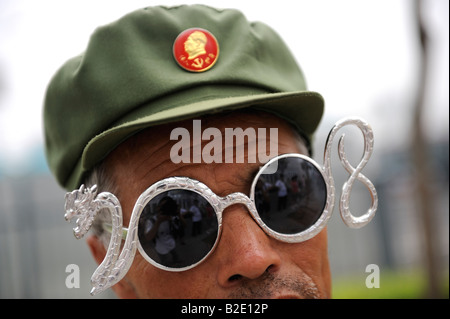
{"x": 176, "y": 223}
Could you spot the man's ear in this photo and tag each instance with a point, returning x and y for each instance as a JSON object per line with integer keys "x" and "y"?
{"x": 97, "y": 248}
{"x": 123, "y": 289}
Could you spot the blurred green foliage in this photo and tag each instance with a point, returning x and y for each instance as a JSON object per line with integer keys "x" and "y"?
{"x": 410, "y": 284}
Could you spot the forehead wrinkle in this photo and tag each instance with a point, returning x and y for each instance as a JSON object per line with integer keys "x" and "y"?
{"x": 153, "y": 155}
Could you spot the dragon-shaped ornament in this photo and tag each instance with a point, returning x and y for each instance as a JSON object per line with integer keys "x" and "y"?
{"x": 84, "y": 204}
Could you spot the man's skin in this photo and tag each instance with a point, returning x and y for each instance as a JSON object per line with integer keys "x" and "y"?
{"x": 247, "y": 263}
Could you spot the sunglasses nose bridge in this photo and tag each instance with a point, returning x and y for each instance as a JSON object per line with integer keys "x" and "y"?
{"x": 238, "y": 198}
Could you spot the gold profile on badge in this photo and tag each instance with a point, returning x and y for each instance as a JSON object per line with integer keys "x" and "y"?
{"x": 196, "y": 50}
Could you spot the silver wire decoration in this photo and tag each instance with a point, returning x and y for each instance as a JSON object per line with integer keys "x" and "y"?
{"x": 355, "y": 173}
{"x": 84, "y": 203}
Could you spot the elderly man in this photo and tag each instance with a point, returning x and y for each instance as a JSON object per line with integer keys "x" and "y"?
{"x": 142, "y": 119}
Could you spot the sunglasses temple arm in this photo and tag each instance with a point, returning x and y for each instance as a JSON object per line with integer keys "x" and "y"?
{"x": 108, "y": 228}
{"x": 355, "y": 173}
{"x": 84, "y": 204}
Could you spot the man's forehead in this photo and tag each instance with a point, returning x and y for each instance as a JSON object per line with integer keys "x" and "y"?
{"x": 244, "y": 119}
{"x": 233, "y": 119}
{"x": 151, "y": 149}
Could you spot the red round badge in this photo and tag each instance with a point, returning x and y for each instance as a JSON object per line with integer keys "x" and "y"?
{"x": 196, "y": 50}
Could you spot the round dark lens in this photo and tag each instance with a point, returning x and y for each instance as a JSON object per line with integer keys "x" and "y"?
{"x": 178, "y": 228}
{"x": 290, "y": 195}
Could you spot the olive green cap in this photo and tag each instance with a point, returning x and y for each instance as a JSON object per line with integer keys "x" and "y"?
{"x": 128, "y": 80}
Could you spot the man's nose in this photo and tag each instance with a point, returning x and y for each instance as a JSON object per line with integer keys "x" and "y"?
{"x": 245, "y": 251}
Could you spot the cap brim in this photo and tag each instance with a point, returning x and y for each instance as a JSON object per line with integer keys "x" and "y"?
{"x": 303, "y": 109}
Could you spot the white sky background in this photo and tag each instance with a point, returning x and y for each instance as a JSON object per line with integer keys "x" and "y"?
{"x": 359, "y": 54}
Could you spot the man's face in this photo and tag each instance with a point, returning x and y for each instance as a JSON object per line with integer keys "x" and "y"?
{"x": 246, "y": 262}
